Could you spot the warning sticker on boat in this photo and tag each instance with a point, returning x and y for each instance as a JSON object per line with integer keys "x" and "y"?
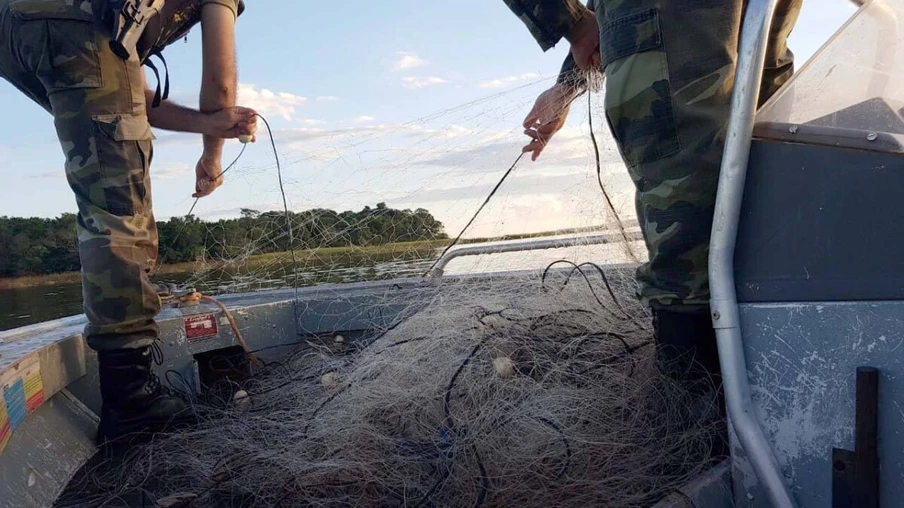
{"x": 5, "y": 429}
{"x": 201, "y": 327}
{"x": 34, "y": 387}
{"x": 22, "y": 390}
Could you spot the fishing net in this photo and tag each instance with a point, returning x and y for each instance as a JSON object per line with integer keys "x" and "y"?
{"x": 544, "y": 394}
{"x": 537, "y": 387}
{"x": 373, "y": 201}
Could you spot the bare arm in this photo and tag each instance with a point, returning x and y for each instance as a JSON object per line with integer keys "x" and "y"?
{"x": 569, "y": 75}
{"x": 224, "y": 124}
{"x": 218, "y": 79}
{"x": 173, "y": 117}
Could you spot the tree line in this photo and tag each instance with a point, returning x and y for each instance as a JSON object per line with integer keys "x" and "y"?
{"x": 37, "y": 246}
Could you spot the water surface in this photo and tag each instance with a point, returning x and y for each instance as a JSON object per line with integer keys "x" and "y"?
{"x": 25, "y": 306}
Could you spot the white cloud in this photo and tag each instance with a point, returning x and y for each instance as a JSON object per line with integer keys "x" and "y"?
{"x": 172, "y": 170}
{"x": 450, "y": 131}
{"x": 413, "y": 82}
{"x": 364, "y": 119}
{"x": 407, "y": 61}
{"x": 508, "y": 80}
{"x": 311, "y": 121}
{"x": 327, "y": 98}
{"x": 58, "y": 174}
{"x": 269, "y": 103}
{"x": 177, "y": 139}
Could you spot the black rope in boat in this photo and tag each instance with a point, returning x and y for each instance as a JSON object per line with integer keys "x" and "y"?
{"x": 485, "y": 202}
{"x": 288, "y": 216}
{"x": 599, "y": 176}
{"x": 192, "y": 209}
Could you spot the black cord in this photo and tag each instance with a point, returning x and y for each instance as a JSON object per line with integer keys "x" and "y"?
{"x": 599, "y": 174}
{"x": 602, "y": 275}
{"x": 484, "y": 480}
{"x": 450, "y": 425}
{"x": 282, "y": 192}
{"x": 551, "y": 424}
{"x": 486, "y": 201}
{"x": 192, "y": 209}
{"x": 578, "y": 268}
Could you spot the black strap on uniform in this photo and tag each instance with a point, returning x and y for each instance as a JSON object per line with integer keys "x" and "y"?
{"x": 158, "y": 97}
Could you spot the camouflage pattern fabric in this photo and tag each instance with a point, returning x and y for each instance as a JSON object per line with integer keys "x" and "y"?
{"x": 670, "y": 68}
{"x": 55, "y": 54}
{"x": 548, "y": 21}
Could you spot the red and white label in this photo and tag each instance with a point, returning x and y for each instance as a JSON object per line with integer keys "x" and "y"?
{"x": 201, "y": 327}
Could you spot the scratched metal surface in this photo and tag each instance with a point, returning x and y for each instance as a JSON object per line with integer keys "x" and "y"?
{"x": 802, "y": 361}
{"x": 42, "y": 455}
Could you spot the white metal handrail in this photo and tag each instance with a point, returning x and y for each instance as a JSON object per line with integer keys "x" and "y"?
{"x": 724, "y": 303}
{"x": 529, "y": 245}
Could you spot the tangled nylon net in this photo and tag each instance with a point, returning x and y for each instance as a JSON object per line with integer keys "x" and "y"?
{"x": 505, "y": 394}
{"x": 533, "y": 389}
{"x": 348, "y": 186}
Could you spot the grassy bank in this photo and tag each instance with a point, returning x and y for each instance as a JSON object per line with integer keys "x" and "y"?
{"x": 309, "y": 257}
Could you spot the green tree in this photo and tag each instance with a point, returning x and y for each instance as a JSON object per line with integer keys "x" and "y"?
{"x": 34, "y": 246}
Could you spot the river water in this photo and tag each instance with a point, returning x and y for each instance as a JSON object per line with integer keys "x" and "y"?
{"x": 25, "y": 306}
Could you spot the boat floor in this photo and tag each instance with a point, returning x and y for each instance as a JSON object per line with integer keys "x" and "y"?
{"x": 575, "y": 336}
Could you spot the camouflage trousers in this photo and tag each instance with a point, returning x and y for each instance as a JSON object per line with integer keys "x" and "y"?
{"x": 62, "y": 61}
{"x": 670, "y": 68}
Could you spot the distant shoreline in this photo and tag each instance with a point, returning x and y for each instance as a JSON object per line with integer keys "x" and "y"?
{"x": 316, "y": 256}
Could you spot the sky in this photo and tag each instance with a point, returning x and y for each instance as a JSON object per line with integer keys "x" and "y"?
{"x": 414, "y": 104}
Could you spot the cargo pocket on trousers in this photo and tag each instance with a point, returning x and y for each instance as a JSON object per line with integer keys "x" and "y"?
{"x": 124, "y": 151}
{"x": 638, "y": 99}
{"x": 72, "y": 60}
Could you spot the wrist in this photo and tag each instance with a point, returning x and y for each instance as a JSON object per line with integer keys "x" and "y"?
{"x": 574, "y": 92}
{"x": 585, "y": 23}
{"x": 205, "y": 124}
{"x": 212, "y": 154}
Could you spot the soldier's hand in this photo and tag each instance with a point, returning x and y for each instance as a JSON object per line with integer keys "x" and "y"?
{"x": 232, "y": 122}
{"x": 208, "y": 176}
{"x": 547, "y": 117}
{"x": 585, "y": 42}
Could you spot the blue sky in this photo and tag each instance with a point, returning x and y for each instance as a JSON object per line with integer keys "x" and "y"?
{"x": 417, "y": 104}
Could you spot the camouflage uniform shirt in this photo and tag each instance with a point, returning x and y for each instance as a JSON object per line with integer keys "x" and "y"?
{"x": 548, "y": 21}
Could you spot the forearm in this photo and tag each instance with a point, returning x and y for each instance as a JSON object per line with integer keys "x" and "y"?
{"x": 219, "y": 79}
{"x": 216, "y": 94}
{"x": 173, "y": 117}
{"x": 570, "y": 75}
{"x": 549, "y": 20}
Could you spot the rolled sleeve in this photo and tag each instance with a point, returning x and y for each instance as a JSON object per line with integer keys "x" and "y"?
{"x": 236, "y": 6}
{"x": 547, "y": 20}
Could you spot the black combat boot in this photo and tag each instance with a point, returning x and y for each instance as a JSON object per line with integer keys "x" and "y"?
{"x": 135, "y": 404}
{"x": 687, "y": 352}
{"x": 686, "y": 344}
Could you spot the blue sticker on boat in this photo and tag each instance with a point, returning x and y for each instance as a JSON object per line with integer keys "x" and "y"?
{"x": 14, "y": 396}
